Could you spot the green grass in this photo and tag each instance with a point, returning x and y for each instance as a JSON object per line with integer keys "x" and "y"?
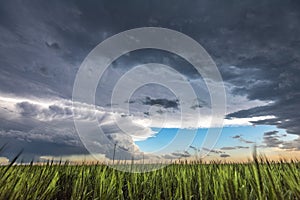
{"x": 256, "y": 180}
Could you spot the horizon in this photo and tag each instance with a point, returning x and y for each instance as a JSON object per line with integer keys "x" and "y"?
{"x": 147, "y": 81}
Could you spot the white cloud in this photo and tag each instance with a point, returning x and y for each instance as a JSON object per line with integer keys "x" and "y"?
{"x": 4, "y": 161}
{"x": 245, "y": 121}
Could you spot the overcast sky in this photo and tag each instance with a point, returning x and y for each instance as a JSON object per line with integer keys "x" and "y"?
{"x": 254, "y": 43}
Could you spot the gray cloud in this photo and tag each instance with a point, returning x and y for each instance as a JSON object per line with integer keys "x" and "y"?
{"x": 242, "y": 147}
{"x": 234, "y": 148}
{"x": 213, "y": 150}
{"x": 199, "y": 103}
{"x": 194, "y": 148}
{"x": 177, "y": 155}
{"x": 236, "y": 136}
{"x": 273, "y": 139}
{"x": 165, "y": 103}
{"x": 291, "y": 145}
{"x": 224, "y": 155}
{"x": 27, "y": 109}
{"x": 228, "y": 148}
{"x": 269, "y": 133}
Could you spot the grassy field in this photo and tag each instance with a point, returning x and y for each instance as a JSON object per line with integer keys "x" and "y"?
{"x": 256, "y": 180}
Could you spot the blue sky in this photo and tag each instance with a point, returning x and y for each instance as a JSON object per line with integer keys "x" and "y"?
{"x": 251, "y": 135}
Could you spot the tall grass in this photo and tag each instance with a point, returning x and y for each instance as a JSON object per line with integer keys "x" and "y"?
{"x": 260, "y": 179}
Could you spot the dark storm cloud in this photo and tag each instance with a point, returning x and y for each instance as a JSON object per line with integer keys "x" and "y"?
{"x": 257, "y": 111}
{"x": 48, "y": 140}
{"x": 34, "y": 149}
{"x": 256, "y": 45}
{"x": 28, "y": 109}
{"x": 21, "y": 129}
{"x": 283, "y": 109}
{"x": 165, "y": 103}
{"x": 53, "y": 45}
{"x": 238, "y": 38}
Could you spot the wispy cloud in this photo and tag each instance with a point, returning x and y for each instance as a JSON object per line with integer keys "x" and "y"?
{"x": 234, "y": 147}
{"x": 241, "y": 139}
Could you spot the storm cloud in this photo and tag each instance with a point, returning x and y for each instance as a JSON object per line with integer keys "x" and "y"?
{"x": 165, "y": 103}
{"x": 47, "y": 129}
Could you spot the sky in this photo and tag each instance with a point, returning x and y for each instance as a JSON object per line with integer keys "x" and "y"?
{"x": 254, "y": 45}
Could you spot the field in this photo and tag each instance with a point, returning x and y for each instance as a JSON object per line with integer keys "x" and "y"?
{"x": 255, "y": 180}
